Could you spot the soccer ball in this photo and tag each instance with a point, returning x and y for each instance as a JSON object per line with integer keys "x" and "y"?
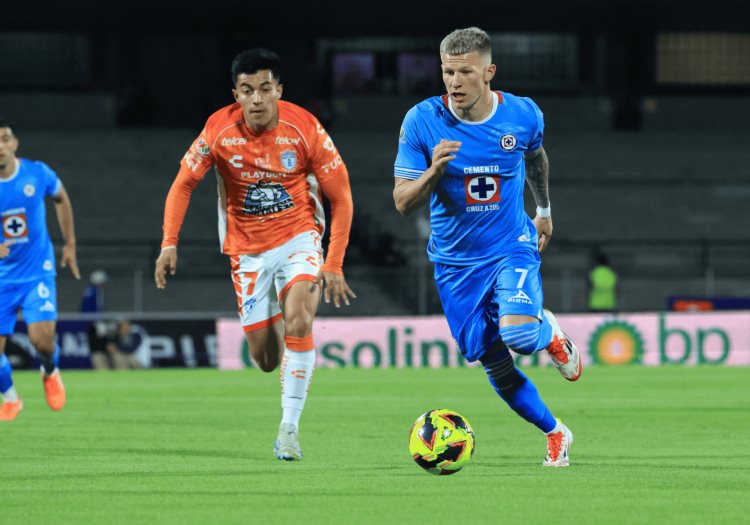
{"x": 441, "y": 441}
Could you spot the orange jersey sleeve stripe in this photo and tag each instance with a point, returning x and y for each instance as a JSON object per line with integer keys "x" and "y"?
{"x": 262, "y": 324}
{"x": 299, "y": 344}
{"x": 176, "y": 205}
{"x": 339, "y": 193}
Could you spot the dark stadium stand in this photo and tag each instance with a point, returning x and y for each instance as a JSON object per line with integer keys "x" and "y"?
{"x": 655, "y": 201}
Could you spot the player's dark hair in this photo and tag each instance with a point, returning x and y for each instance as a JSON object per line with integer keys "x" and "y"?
{"x": 253, "y": 60}
{"x": 5, "y": 123}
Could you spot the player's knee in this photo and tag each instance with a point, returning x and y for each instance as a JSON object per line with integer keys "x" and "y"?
{"x": 266, "y": 361}
{"x": 522, "y": 338}
{"x": 266, "y": 365}
{"x": 299, "y": 324}
{"x": 43, "y": 342}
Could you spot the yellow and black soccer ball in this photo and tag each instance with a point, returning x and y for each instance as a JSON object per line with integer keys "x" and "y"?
{"x": 441, "y": 441}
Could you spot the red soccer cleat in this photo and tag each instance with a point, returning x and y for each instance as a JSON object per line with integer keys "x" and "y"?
{"x": 9, "y": 410}
{"x": 564, "y": 354}
{"x": 558, "y": 446}
{"x": 54, "y": 390}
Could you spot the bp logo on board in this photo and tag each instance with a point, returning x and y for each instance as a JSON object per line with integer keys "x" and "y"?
{"x": 616, "y": 343}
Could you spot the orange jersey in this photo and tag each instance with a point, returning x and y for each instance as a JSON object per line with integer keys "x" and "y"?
{"x": 269, "y": 183}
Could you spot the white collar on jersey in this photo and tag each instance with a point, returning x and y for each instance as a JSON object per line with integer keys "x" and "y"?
{"x": 492, "y": 111}
{"x": 13, "y": 175}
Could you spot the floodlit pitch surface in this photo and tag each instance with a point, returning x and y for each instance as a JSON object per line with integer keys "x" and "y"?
{"x": 653, "y": 445}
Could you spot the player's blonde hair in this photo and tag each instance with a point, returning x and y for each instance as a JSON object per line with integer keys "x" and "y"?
{"x": 462, "y": 41}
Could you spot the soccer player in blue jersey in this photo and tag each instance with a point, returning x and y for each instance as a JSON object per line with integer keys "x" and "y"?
{"x": 27, "y": 266}
{"x": 468, "y": 153}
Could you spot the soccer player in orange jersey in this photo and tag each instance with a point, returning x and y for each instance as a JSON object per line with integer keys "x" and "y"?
{"x": 272, "y": 161}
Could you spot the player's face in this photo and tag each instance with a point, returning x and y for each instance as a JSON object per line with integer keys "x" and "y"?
{"x": 258, "y": 94}
{"x": 466, "y": 77}
{"x": 8, "y": 147}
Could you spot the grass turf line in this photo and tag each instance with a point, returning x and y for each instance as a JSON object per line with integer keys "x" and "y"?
{"x": 652, "y": 445}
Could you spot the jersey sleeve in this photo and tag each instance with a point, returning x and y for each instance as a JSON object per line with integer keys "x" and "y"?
{"x": 199, "y": 158}
{"x": 537, "y": 135}
{"x": 413, "y": 156}
{"x": 51, "y": 182}
{"x": 325, "y": 160}
{"x": 193, "y": 167}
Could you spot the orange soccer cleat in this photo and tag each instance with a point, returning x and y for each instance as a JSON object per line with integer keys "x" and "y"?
{"x": 565, "y": 356}
{"x": 558, "y": 446}
{"x": 9, "y": 410}
{"x": 54, "y": 390}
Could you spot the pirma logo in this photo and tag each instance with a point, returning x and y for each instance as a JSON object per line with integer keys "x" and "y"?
{"x": 616, "y": 343}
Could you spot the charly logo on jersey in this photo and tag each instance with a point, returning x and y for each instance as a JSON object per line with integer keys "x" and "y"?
{"x": 482, "y": 193}
{"x": 508, "y": 142}
{"x": 402, "y": 136}
{"x": 29, "y": 190}
{"x": 266, "y": 197}
{"x": 15, "y": 225}
{"x": 288, "y": 159}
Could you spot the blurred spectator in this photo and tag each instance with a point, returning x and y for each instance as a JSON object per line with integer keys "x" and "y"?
{"x": 127, "y": 342}
{"x": 113, "y": 345}
{"x": 93, "y": 295}
{"x": 602, "y": 286}
{"x": 102, "y": 344}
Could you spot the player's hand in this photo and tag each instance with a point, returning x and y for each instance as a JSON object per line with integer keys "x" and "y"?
{"x": 443, "y": 153}
{"x": 69, "y": 259}
{"x": 334, "y": 286}
{"x": 166, "y": 262}
{"x": 4, "y": 250}
{"x": 543, "y": 230}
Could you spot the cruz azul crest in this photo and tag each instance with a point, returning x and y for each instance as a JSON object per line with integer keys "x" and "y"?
{"x": 289, "y": 159}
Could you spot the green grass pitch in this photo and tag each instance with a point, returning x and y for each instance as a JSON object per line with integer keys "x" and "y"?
{"x": 652, "y": 445}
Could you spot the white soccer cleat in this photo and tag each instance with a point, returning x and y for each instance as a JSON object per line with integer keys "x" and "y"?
{"x": 563, "y": 352}
{"x": 558, "y": 446}
{"x": 287, "y": 444}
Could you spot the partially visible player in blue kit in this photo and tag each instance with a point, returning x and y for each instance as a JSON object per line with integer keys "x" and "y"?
{"x": 468, "y": 153}
{"x": 27, "y": 266}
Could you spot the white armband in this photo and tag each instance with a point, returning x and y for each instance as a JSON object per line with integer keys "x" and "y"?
{"x": 544, "y": 213}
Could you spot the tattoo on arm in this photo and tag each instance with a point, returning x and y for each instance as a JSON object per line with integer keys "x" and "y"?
{"x": 537, "y": 176}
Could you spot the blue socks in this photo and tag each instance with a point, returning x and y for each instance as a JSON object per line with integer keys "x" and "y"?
{"x": 527, "y": 338}
{"x": 49, "y": 363}
{"x": 6, "y": 374}
{"x": 517, "y": 390}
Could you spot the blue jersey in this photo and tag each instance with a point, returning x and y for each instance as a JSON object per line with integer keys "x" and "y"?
{"x": 476, "y": 209}
{"x": 24, "y": 220}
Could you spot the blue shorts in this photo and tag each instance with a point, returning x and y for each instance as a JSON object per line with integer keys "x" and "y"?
{"x": 37, "y": 299}
{"x": 474, "y": 298}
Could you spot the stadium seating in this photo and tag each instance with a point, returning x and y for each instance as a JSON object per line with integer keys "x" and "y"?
{"x": 655, "y": 201}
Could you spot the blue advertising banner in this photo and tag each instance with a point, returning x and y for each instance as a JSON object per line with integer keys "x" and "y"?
{"x": 152, "y": 342}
